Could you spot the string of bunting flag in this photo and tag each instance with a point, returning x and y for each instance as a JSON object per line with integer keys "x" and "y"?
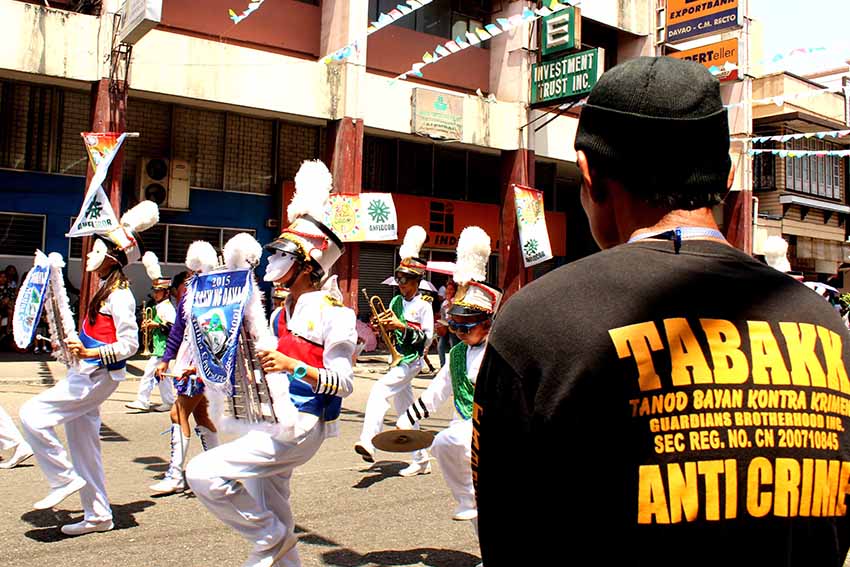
{"x": 252, "y": 7}
{"x": 384, "y": 19}
{"x": 799, "y": 153}
{"x": 797, "y": 136}
{"x": 481, "y": 34}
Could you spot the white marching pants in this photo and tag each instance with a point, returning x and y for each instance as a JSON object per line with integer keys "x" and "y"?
{"x": 262, "y": 515}
{"x": 75, "y": 403}
{"x": 395, "y": 384}
{"x": 452, "y": 449}
{"x": 10, "y": 437}
{"x": 148, "y": 381}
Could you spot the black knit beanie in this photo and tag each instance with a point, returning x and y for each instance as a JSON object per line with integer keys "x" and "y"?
{"x": 660, "y": 122}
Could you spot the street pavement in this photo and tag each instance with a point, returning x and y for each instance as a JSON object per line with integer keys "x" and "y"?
{"x": 347, "y": 512}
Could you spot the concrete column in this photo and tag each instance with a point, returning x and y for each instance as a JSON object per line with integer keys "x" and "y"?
{"x": 344, "y": 21}
{"x": 517, "y": 167}
{"x": 109, "y": 114}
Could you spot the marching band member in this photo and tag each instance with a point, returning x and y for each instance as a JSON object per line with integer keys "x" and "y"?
{"x": 10, "y": 438}
{"x": 158, "y": 325}
{"x": 470, "y": 317}
{"x": 200, "y": 257}
{"x": 109, "y": 336}
{"x": 410, "y": 321}
{"x": 316, "y": 338}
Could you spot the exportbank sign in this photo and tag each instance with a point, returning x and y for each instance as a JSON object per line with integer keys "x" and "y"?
{"x": 687, "y": 19}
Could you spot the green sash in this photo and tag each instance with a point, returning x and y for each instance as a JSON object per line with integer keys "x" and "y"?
{"x": 408, "y": 350}
{"x": 461, "y": 386}
{"x": 158, "y": 336}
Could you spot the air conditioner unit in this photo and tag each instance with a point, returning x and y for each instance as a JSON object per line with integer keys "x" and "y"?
{"x": 164, "y": 181}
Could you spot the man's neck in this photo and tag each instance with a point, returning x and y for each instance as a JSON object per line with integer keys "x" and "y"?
{"x": 653, "y": 224}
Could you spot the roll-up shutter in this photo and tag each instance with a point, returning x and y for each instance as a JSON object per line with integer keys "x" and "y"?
{"x": 377, "y": 262}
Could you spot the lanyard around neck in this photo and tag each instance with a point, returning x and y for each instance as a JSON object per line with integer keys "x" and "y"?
{"x": 681, "y": 233}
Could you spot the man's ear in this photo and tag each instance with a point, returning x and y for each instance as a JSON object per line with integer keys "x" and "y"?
{"x": 595, "y": 191}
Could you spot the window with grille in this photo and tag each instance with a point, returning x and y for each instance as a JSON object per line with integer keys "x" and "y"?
{"x": 170, "y": 242}
{"x": 21, "y": 234}
{"x": 819, "y": 176}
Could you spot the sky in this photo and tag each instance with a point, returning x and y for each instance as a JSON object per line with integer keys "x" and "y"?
{"x": 792, "y": 24}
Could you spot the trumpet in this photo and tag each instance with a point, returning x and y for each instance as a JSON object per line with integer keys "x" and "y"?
{"x": 147, "y": 318}
{"x": 377, "y": 306}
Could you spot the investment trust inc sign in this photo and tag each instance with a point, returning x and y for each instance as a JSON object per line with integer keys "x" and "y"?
{"x": 567, "y": 77}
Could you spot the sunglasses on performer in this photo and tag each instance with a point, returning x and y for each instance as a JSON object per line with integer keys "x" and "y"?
{"x": 463, "y": 328}
{"x": 402, "y": 280}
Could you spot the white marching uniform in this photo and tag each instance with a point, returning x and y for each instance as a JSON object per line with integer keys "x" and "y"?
{"x": 396, "y": 384}
{"x": 322, "y": 328}
{"x": 10, "y": 437}
{"x": 452, "y": 446}
{"x": 167, "y": 314}
{"x": 75, "y": 403}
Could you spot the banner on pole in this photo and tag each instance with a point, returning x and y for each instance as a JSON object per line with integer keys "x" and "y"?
{"x": 531, "y": 224}
{"x": 364, "y": 217}
{"x": 216, "y": 302}
{"x": 30, "y": 301}
{"x": 96, "y": 215}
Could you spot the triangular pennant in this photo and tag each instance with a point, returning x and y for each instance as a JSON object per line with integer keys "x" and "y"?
{"x": 371, "y": 29}
{"x": 416, "y": 66}
{"x": 395, "y": 14}
{"x": 404, "y": 9}
{"x": 473, "y": 39}
{"x": 96, "y": 215}
{"x": 516, "y": 20}
{"x": 492, "y": 29}
{"x": 528, "y": 15}
{"x": 460, "y": 43}
{"x": 543, "y": 12}
{"x": 415, "y": 4}
{"x": 416, "y": 72}
{"x": 453, "y": 47}
{"x": 557, "y": 6}
{"x": 505, "y": 23}
{"x": 384, "y": 19}
{"x": 483, "y": 35}
{"x": 442, "y": 51}
{"x": 427, "y": 58}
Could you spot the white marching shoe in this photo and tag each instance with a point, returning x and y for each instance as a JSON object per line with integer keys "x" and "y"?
{"x": 22, "y": 452}
{"x": 57, "y": 495}
{"x": 174, "y": 480}
{"x": 269, "y": 557}
{"x": 138, "y": 405}
{"x": 464, "y": 514}
{"x": 86, "y": 527}
{"x": 414, "y": 469}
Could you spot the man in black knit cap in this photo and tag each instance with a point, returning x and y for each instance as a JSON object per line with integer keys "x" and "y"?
{"x": 669, "y": 400}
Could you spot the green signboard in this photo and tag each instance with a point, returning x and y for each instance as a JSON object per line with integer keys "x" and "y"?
{"x": 561, "y": 31}
{"x": 567, "y": 77}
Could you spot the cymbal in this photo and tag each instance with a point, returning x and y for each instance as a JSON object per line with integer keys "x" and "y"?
{"x": 403, "y": 440}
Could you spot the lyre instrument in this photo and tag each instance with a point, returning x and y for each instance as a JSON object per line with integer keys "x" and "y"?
{"x": 252, "y": 399}
{"x": 147, "y": 318}
{"x": 53, "y": 313}
{"x": 377, "y": 306}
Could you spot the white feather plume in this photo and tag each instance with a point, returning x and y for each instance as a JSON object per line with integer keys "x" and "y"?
{"x": 775, "y": 252}
{"x": 151, "y": 264}
{"x": 201, "y": 256}
{"x": 142, "y": 216}
{"x": 313, "y": 184}
{"x": 414, "y": 238}
{"x": 242, "y": 251}
{"x": 473, "y": 253}
{"x": 56, "y": 260}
